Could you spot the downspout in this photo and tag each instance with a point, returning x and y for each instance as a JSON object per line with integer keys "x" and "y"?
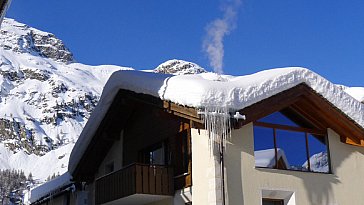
{"x": 222, "y": 165}
{"x": 237, "y": 116}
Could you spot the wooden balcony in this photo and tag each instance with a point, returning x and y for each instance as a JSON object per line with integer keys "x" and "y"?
{"x": 126, "y": 186}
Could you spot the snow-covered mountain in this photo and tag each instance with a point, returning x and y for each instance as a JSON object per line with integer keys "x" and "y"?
{"x": 179, "y": 67}
{"x": 319, "y": 162}
{"x": 46, "y": 98}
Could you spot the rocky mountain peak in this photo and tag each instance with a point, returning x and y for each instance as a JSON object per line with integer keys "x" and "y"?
{"x": 21, "y": 38}
{"x": 179, "y": 67}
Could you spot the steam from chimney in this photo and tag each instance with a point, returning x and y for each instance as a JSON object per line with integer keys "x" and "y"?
{"x": 216, "y": 30}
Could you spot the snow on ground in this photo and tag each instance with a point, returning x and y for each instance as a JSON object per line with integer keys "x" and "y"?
{"x": 266, "y": 158}
{"x": 209, "y": 90}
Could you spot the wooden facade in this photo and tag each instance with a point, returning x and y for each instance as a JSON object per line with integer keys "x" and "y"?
{"x": 135, "y": 179}
{"x": 146, "y": 123}
{"x": 145, "y": 119}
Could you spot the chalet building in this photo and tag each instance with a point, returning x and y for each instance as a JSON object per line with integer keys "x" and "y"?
{"x": 283, "y": 136}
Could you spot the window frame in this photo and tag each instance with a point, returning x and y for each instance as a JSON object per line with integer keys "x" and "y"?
{"x": 306, "y": 131}
{"x": 144, "y": 154}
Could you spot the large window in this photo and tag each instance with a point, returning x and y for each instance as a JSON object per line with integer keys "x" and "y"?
{"x": 288, "y": 141}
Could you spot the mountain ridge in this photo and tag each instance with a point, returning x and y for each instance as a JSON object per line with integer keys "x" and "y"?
{"x": 46, "y": 98}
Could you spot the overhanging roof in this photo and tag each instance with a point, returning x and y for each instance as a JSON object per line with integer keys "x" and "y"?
{"x": 4, "y": 5}
{"x": 245, "y": 93}
{"x": 313, "y": 107}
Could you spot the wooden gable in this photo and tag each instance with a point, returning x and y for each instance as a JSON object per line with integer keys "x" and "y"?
{"x": 312, "y": 106}
{"x": 122, "y": 112}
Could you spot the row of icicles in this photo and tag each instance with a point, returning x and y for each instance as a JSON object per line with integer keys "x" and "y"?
{"x": 217, "y": 122}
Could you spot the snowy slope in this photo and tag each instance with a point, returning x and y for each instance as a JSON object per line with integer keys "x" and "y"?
{"x": 46, "y": 98}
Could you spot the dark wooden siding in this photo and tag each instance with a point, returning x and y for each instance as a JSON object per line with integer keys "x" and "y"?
{"x": 135, "y": 179}
{"x": 150, "y": 126}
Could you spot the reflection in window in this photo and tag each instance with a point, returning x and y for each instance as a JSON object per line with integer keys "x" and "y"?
{"x": 292, "y": 146}
{"x": 319, "y": 161}
{"x": 279, "y": 145}
{"x": 278, "y": 117}
{"x": 154, "y": 155}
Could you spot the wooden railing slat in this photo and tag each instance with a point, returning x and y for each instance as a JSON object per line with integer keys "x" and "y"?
{"x": 135, "y": 179}
{"x": 151, "y": 180}
{"x": 158, "y": 181}
{"x": 164, "y": 181}
{"x": 145, "y": 176}
{"x": 139, "y": 180}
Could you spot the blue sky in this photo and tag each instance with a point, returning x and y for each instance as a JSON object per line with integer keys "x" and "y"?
{"x": 324, "y": 36}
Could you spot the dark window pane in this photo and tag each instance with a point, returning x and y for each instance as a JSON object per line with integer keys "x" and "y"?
{"x": 182, "y": 155}
{"x": 264, "y": 147}
{"x": 278, "y": 118}
{"x": 157, "y": 156}
{"x": 291, "y": 147}
{"x": 272, "y": 202}
{"x": 319, "y": 161}
{"x": 153, "y": 155}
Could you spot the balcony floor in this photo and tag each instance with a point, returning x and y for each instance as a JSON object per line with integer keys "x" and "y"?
{"x": 138, "y": 199}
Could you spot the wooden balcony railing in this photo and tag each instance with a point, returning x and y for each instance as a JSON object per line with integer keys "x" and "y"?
{"x": 134, "y": 179}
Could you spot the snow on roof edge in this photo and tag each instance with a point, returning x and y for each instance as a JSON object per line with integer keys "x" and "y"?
{"x": 49, "y": 187}
{"x": 204, "y": 90}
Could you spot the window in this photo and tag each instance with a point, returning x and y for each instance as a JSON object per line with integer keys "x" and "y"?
{"x": 182, "y": 154}
{"x": 154, "y": 155}
{"x": 288, "y": 141}
{"x": 272, "y": 202}
{"x": 182, "y": 160}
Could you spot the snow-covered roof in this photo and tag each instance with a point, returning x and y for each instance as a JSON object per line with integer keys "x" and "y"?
{"x": 49, "y": 188}
{"x": 209, "y": 89}
{"x": 356, "y": 92}
{"x": 266, "y": 158}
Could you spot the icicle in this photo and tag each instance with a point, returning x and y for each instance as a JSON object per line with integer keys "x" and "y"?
{"x": 217, "y": 124}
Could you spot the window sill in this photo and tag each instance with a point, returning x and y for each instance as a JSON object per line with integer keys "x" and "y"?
{"x": 290, "y": 170}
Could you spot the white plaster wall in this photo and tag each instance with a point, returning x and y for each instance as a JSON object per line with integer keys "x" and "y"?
{"x": 245, "y": 183}
{"x": 182, "y": 196}
{"x": 206, "y": 176}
